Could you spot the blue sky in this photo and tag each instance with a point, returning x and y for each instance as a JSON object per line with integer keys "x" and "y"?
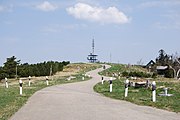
{"x": 130, "y": 30}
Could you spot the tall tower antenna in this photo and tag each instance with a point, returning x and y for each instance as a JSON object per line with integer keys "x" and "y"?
{"x": 92, "y": 57}
{"x": 93, "y": 46}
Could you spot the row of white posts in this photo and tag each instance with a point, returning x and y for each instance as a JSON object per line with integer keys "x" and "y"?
{"x": 126, "y": 88}
{"x": 29, "y": 83}
{"x": 21, "y": 83}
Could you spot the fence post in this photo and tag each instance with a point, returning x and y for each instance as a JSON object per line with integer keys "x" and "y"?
{"x": 154, "y": 91}
{"x": 126, "y": 87}
{"x": 29, "y": 80}
{"x": 20, "y": 86}
{"x": 6, "y": 83}
{"x": 110, "y": 84}
{"x": 102, "y": 80}
{"x": 47, "y": 81}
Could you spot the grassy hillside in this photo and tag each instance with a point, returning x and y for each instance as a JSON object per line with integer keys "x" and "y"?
{"x": 11, "y": 101}
{"x": 142, "y": 96}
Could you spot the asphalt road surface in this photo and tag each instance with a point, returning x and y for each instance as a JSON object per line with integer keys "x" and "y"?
{"x": 78, "y": 101}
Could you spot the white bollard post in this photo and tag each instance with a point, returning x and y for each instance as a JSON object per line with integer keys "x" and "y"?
{"x": 154, "y": 91}
{"x": 20, "y": 86}
{"x": 82, "y": 78}
{"x": 102, "y": 80}
{"x": 126, "y": 87}
{"x": 165, "y": 91}
{"x": 47, "y": 82}
{"x": 29, "y": 81}
{"x": 119, "y": 75}
{"x": 110, "y": 86}
{"x": 6, "y": 83}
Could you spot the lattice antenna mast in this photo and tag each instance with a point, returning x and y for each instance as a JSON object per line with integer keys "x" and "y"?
{"x": 93, "y": 46}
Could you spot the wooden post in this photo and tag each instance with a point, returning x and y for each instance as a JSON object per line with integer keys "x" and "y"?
{"x": 147, "y": 83}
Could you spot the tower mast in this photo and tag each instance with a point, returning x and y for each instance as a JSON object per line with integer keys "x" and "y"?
{"x": 92, "y": 57}
{"x": 93, "y": 46}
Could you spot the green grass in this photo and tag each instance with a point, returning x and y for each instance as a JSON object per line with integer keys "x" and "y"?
{"x": 142, "y": 96}
{"x": 116, "y": 68}
{"x": 11, "y": 101}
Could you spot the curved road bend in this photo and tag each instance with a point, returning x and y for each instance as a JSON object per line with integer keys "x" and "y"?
{"x": 78, "y": 101}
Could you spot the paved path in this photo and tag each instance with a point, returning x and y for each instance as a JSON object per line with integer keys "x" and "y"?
{"x": 78, "y": 101}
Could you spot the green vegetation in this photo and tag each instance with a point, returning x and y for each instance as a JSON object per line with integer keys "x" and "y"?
{"x": 11, "y": 101}
{"x": 142, "y": 96}
{"x": 12, "y": 67}
{"x": 126, "y": 70}
{"x": 170, "y": 62}
{"x": 40, "y": 69}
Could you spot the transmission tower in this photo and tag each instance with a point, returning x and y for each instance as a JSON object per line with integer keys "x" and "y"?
{"x": 92, "y": 57}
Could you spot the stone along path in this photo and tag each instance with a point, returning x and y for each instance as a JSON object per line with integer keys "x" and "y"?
{"x": 78, "y": 101}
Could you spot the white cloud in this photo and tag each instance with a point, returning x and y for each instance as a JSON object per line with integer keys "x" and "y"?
{"x": 97, "y": 14}
{"x": 46, "y": 6}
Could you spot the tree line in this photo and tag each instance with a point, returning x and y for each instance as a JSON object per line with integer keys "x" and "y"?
{"x": 13, "y": 68}
{"x": 171, "y": 61}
